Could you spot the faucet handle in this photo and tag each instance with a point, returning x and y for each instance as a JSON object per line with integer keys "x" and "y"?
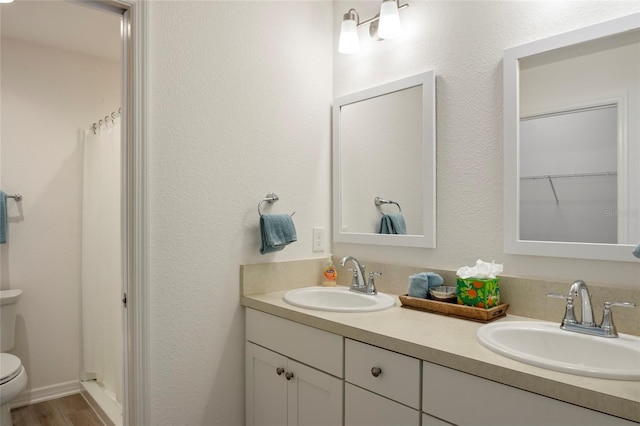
{"x": 354, "y": 277}
{"x": 371, "y": 286}
{"x": 609, "y": 305}
{"x": 569, "y": 315}
{"x": 607, "y": 324}
{"x": 556, "y": 296}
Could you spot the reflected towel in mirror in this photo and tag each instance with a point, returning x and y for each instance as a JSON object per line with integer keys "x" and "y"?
{"x": 393, "y": 224}
{"x": 636, "y": 251}
{"x": 276, "y": 231}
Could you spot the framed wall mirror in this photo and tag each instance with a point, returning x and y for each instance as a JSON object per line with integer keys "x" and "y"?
{"x": 384, "y": 172}
{"x": 572, "y": 143}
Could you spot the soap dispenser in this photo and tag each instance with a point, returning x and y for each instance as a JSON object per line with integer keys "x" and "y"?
{"x": 329, "y": 274}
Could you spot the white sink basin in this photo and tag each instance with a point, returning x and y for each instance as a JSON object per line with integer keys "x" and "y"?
{"x": 338, "y": 299}
{"x": 545, "y": 345}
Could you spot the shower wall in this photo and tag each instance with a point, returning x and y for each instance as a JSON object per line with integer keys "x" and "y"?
{"x": 48, "y": 95}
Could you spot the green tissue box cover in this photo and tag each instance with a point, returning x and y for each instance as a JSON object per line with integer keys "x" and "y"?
{"x": 481, "y": 293}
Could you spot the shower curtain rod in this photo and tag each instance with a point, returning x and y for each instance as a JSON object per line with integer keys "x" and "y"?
{"x": 105, "y": 121}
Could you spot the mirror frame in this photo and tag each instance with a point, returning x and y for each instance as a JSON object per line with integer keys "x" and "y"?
{"x": 512, "y": 56}
{"x": 428, "y": 239}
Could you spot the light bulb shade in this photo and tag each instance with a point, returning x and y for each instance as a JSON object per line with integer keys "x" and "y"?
{"x": 349, "y": 42}
{"x": 389, "y": 25}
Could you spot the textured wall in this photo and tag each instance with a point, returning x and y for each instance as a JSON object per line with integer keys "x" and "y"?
{"x": 464, "y": 42}
{"x": 240, "y": 96}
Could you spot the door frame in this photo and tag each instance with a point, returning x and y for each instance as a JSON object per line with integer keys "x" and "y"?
{"x": 134, "y": 212}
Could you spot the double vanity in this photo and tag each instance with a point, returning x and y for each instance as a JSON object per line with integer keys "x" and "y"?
{"x": 331, "y": 357}
{"x": 401, "y": 366}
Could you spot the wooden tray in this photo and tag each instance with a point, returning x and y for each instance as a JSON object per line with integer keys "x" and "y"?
{"x": 453, "y": 309}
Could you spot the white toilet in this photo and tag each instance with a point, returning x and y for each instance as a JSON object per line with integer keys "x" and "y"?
{"x": 13, "y": 376}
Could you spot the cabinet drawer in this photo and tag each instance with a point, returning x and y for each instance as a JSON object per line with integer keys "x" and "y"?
{"x": 444, "y": 389}
{"x": 399, "y": 377}
{"x": 364, "y": 408}
{"x": 428, "y": 420}
{"x": 317, "y": 348}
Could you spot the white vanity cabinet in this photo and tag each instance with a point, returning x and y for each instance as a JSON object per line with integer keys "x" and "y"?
{"x": 382, "y": 387}
{"x": 464, "y": 399}
{"x": 293, "y": 373}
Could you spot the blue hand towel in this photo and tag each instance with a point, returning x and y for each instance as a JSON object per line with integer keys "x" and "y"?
{"x": 3, "y": 217}
{"x": 420, "y": 283}
{"x": 434, "y": 279}
{"x": 276, "y": 231}
{"x": 393, "y": 224}
{"x": 636, "y": 251}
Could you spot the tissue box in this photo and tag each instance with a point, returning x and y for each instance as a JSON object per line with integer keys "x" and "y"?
{"x": 481, "y": 293}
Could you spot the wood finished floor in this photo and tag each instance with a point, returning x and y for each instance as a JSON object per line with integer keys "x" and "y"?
{"x": 70, "y": 410}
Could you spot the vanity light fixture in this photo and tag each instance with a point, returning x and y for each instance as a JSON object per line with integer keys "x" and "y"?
{"x": 349, "y": 42}
{"x": 384, "y": 25}
{"x": 389, "y": 25}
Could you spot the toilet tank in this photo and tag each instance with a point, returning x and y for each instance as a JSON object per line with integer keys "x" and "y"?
{"x": 8, "y": 299}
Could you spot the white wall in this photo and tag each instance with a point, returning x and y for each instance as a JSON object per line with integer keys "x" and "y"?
{"x": 240, "y": 96}
{"x": 48, "y": 95}
{"x": 464, "y": 42}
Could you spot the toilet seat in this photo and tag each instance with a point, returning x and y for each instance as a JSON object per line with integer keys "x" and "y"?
{"x": 10, "y": 366}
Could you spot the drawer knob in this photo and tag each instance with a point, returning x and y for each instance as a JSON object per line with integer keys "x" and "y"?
{"x": 289, "y": 375}
{"x": 279, "y": 371}
{"x": 376, "y": 371}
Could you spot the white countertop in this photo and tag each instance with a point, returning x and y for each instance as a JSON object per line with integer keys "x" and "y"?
{"x": 451, "y": 342}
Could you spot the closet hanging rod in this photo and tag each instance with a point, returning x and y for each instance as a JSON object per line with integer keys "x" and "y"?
{"x": 17, "y": 197}
{"x": 569, "y": 175}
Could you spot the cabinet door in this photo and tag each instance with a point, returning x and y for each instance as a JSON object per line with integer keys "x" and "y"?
{"x": 364, "y": 408}
{"x": 266, "y": 390}
{"x": 315, "y": 398}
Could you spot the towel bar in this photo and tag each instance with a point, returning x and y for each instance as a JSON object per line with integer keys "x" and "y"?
{"x": 17, "y": 197}
{"x": 380, "y": 201}
{"x": 270, "y": 198}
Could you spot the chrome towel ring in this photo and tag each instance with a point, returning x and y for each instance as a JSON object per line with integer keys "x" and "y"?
{"x": 270, "y": 198}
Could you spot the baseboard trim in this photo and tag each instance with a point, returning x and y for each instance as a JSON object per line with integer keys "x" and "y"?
{"x": 46, "y": 393}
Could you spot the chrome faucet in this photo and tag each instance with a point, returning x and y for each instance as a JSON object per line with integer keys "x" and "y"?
{"x": 357, "y": 282}
{"x": 579, "y": 288}
{"x": 586, "y": 324}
